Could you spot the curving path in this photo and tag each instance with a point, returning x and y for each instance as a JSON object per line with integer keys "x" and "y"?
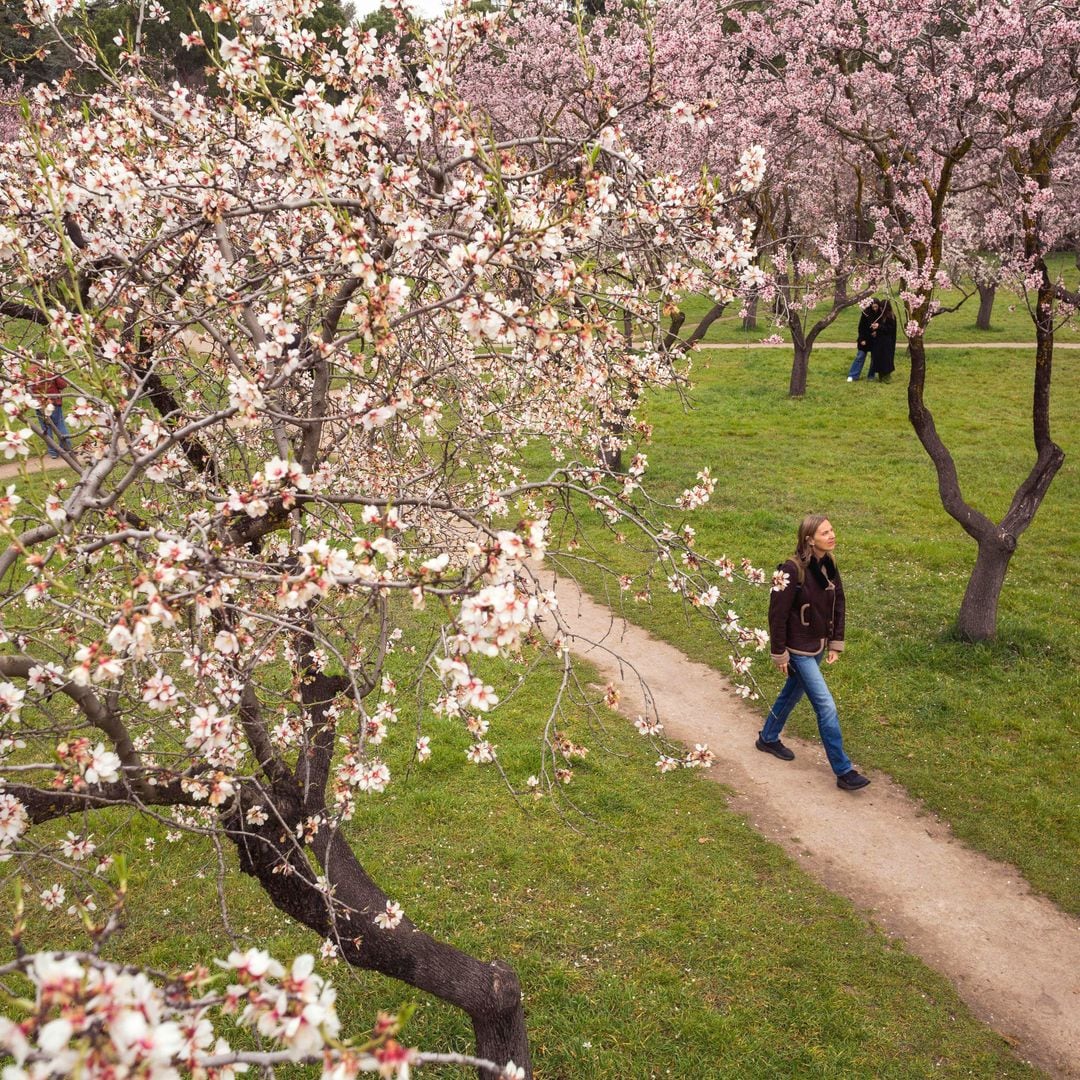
{"x": 31, "y": 465}
{"x": 1013, "y": 956}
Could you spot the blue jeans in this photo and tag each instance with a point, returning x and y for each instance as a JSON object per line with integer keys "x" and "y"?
{"x": 856, "y": 365}
{"x": 804, "y": 677}
{"x": 54, "y": 425}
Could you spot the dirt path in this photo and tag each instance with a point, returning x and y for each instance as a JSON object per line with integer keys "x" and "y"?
{"x": 9, "y": 469}
{"x": 1013, "y": 957}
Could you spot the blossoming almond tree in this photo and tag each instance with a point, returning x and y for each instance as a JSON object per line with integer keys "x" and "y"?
{"x": 807, "y": 231}
{"x": 92, "y": 1018}
{"x": 926, "y": 93}
{"x": 313, "y": 328}
{"x": 563, "y": 70}
{"x": 706, "y": 104}
{"x": 815, "y": 258}
{"x": 10, "y": 112}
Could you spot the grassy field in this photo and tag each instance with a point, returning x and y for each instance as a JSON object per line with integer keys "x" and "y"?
{"x": 987, "y": 736}
{"x": 1010, "y": 320}
{"x": 655, "y": 933}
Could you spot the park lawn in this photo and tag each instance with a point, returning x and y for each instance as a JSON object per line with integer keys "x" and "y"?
{"x": 656, "y": 934}
{"x": 1010, "y": 321}
{"x": 987, "y": 736}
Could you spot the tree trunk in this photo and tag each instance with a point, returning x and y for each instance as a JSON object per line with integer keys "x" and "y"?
{"x": 750, "y": 318}
{"x": 840, "y": 293}
{"x": 671, "y": 338}
{"x": 702, "y": 327}
{"x": 800, "y": 365}
{"x": 343, "y": 908}
{"x": 489, "y": 993}
{"x": 611, "y": 449}
{"x": 986, "y": 306}
{"x": 977, "y": 620}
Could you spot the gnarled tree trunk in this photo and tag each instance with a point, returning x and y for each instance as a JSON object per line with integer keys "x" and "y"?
{"x": 986, "y": 306}
{"x": 803, "y": 339}
{"x": 977, "y": 620}
{"x": 702, "y": 327}
{"x": 800, "y": 365}
{"x": 749, "y": 321}
{"x": 489, "y": 993}
{"x": 342, "y": 905}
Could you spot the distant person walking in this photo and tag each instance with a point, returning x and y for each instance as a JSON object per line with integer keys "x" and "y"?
{"x": 806, "y": 625}
{"x": 48, "y": 388}
{"x": 883, "y": 344}
{"x": 862, "y": 345}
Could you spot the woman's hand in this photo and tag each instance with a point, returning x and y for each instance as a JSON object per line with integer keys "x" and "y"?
{"x": 832, "y": 657}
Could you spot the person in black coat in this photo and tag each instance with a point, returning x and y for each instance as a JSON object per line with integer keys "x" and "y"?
{"x": 883, "y": 344}
{"x": 862, "y": 345}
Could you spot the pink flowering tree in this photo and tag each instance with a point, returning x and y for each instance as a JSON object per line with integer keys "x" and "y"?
{"x": 317, "y": 330}
{"x": 815, "y": 258}
{"x": 924, "y": 93}
{"x": 91, "y": 1017}
{"x": 11, "y": 120}
{"x": 815, "y": 262}
{"x": 814, "y": 255}
{"x": 981, "y": 228}
{"x": 563, "y": 71}
{"x": 702, "y": 107}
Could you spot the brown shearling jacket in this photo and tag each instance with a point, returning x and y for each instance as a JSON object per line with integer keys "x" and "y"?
{"x": 804, "y": 618}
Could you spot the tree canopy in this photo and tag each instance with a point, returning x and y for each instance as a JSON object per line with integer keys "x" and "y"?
{"x": 342, "y": 369}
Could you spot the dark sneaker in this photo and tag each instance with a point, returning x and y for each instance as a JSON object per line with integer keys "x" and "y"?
{"x": 851, "y": 781}
{"x": 777, "y": 749}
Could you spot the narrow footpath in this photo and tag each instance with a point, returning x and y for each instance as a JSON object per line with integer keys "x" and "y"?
{"x": 1013, "y": 956}
{"x": 10, "y": 469}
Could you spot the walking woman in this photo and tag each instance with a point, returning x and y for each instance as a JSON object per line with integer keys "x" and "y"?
{"x": 806, "y": 625}
{"x": 883, "y": 344}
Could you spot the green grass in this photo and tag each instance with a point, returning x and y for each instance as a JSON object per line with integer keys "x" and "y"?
{"x": 988, "y": 735}
{"x": 656, "y": 936}
{"x": 1009, "y": 322}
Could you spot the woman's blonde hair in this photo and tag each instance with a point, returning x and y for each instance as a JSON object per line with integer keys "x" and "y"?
{"x": 803, "y": 542}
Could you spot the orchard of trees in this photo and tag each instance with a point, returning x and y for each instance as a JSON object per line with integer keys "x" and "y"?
{"x": 911, "y": 146}
{"x": 357, "y": 323}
